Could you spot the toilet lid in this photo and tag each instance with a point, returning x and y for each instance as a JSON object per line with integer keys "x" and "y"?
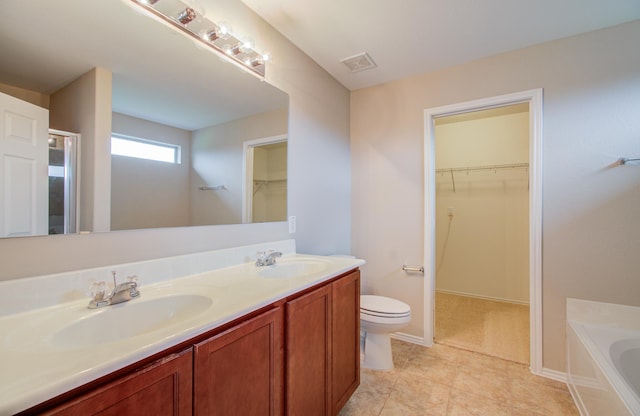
{"x": 383, "y": 306}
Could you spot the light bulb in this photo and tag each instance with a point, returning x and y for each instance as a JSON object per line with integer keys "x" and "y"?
{"x": 224, "y": 30}
{"x": 246, "y": 46}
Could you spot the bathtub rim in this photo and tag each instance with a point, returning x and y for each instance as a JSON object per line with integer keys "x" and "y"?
{"x": 591, "y": 336}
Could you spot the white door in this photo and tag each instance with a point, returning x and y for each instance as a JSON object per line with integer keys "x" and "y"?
{"x": 24, "y": 160}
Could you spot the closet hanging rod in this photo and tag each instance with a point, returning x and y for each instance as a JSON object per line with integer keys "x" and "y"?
{"x": 485, "y": 167}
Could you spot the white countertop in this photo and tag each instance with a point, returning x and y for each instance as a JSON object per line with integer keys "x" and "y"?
{"x": 36, "y": 364}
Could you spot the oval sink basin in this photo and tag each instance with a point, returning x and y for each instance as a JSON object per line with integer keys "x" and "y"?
{"x": 292, "y": 268}
{"x": 130, "y": 319}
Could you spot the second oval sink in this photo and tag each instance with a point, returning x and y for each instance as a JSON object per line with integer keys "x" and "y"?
{"x": 130, "y": 319}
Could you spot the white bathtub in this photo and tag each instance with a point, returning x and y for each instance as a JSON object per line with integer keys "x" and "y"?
{"x": 603, "y": 357}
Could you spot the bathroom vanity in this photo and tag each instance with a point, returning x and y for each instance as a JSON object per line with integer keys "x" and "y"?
{"x": 240, "y": 340}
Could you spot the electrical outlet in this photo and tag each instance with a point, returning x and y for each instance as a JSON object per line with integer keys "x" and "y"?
{"x": 292, "y": 224}
{"x": 450, "y": 211}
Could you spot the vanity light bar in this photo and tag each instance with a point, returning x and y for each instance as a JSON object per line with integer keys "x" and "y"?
{"x": 217, "y": 37}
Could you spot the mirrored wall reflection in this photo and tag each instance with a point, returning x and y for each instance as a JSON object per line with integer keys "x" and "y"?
{"x": 269, "y": 193}
{"x": 205, "y": 184}
{"x": 113, "y": 69}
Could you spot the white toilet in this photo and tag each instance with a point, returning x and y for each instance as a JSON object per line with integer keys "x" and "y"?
{"x": 379, "y": 316}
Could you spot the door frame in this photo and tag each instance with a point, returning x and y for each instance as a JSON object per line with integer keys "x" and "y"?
{"x": 72, "y": 180}
{"x": 534, "y": 98}
{"x": 247, "y": 172}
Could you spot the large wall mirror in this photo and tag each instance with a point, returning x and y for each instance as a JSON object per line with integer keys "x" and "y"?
{"x": 104, "y": 71}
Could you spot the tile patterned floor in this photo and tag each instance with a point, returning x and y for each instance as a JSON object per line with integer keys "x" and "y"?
{"x": 446, "y": 381}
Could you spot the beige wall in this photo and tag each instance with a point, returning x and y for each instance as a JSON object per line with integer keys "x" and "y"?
{"x": 32, "y": 97}
{"x": 318, "y": 143}
{"x": 482, "y": 248}
{"x": 164, "y": 187}
{"x": 84, "y": 106}
{"x": 590, "y": 208}
{"x": 217, "y": 159}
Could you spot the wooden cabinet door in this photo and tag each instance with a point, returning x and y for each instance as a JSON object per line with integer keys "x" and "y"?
{"x": 308, "y": 346}
{"x": 161, "y": 388}
{"x": 345, "y": 327}
{"x": 239, "y": 372}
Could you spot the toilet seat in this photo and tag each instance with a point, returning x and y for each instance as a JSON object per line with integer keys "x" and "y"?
{"x": 383, "y": 307}
{"x": 379, "y": 317}
{"x": 384, "y": 315}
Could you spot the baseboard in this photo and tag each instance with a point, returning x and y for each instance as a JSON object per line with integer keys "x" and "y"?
{"x": 554, "y": 375}
{"x": 410, "y": 338}
{"x": 546, "y": 372}
{"x": 472, "y": 295}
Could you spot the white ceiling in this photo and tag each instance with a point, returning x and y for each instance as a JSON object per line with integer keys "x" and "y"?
{"x": 408, "y": 37}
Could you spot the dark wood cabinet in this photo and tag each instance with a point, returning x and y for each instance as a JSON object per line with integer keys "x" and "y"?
{"x": 323, "y": 348}
{"x": 299, "y": 356}
{"x": 308, "y": 346}
{"x": 345, "y": 339}
{"x": 161, "y": 388}
{"x": 239, "y": 372}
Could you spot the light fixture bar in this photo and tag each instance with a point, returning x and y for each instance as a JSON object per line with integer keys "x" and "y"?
{"x": 217, "y": 37}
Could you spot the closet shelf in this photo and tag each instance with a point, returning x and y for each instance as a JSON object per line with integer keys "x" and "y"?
{"x": 261, "y": 183}
{"x": 468, "y": 169}
{"x": 268, "y": 180}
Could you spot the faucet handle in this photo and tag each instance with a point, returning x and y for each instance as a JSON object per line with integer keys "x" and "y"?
{"x": 133, "y": 290}
{"x": 98, "y": 290}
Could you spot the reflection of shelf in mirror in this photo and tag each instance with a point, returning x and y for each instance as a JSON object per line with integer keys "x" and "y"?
{"x": 212, "y": 188}
{"x": 260, "y": 183}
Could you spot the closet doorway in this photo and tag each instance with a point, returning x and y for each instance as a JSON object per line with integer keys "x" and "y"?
{"x": 265, "y": 180}
{"x": 482, "y": 236}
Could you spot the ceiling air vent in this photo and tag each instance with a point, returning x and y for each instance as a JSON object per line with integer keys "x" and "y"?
{"x": 359, "y": 62}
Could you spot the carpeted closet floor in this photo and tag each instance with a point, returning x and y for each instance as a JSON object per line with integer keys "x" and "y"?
{"x": 498, "y": 329}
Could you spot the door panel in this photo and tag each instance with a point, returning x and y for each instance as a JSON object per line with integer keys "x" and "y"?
{"x": 345, "y": 357}
{"x": 239, "y": 372}
{"x": 308, "y": 345}
{"x": 24, "y": 160}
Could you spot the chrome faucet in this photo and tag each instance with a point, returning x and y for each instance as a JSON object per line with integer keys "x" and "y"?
{"x": 267, "y": 259}
{"x": 122, "y": 292}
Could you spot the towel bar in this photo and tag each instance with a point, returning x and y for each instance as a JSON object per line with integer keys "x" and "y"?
{"x": 413, "y": 269}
